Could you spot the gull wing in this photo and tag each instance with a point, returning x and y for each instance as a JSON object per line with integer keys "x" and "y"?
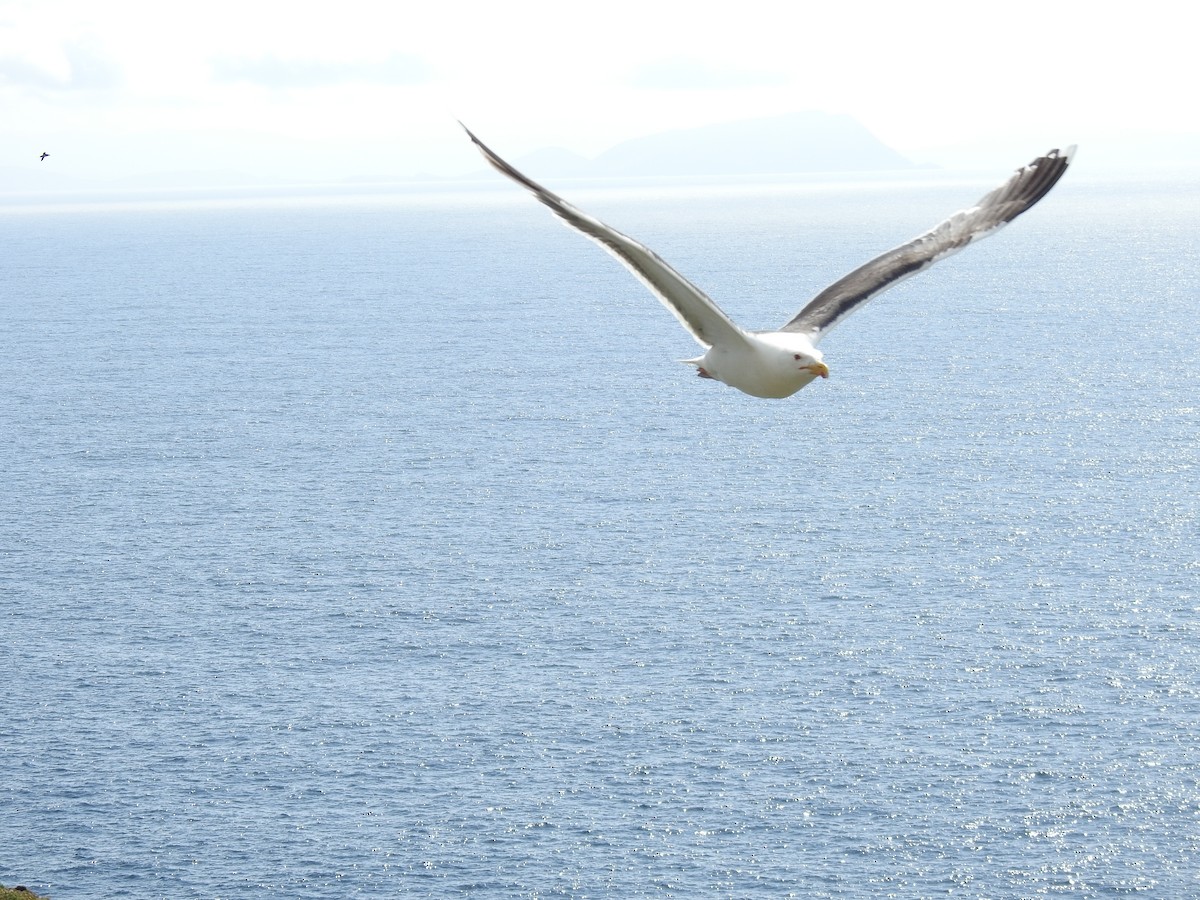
{"x": 691, "y": 306}
{"x": 1026, "y": 187}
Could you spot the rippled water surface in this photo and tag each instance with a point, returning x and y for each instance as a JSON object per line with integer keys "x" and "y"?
{"x": 379, "y": 546}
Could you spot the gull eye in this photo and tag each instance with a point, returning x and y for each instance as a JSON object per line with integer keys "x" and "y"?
{"x": 798, "y": 356}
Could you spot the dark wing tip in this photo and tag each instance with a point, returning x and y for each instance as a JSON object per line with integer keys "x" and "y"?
{"x": 483, "y": 148}
{"x": 548, "y": 197}
{"x": 1031, "y": 183}
{"x": 1023, "y": 189}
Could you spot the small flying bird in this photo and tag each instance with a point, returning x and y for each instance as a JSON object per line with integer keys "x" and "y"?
{"x": 43, "y": 156}
{"x": 778, "y": 363}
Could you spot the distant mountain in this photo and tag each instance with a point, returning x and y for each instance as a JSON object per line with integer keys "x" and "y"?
{"x": 800, "y": 142}
{"x": 795, "y": 143}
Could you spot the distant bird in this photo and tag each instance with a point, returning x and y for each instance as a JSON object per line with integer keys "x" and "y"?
{"x": 779, "y": 363}
{"x": 43, "y": 156}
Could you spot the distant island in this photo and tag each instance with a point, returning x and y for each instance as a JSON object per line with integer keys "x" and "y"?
{"x": 801, "y": 142}
{"x": 778, "y": 145}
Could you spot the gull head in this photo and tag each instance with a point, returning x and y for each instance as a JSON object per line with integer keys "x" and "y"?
{"x": 814, "y": 367}
{"x": 794, "y": 354}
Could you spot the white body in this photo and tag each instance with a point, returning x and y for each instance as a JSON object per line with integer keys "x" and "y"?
{"x": 771, "y": 364}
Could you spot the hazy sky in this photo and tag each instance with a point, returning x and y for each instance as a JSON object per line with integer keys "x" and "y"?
{"x": 359, "y": 87}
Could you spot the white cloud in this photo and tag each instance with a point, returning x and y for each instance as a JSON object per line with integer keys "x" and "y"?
{"x": 276, "y": 72}
{"x": 18, "y": 72}
{"x": 90, "y": 66}
{"x": 697, "y": 75}
{"x": 83, "y": 65}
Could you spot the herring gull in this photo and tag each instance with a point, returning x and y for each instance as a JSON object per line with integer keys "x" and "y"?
{"x": 778, "y": 363}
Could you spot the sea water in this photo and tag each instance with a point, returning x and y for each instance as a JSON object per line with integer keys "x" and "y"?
{"x": 378, "y": 545}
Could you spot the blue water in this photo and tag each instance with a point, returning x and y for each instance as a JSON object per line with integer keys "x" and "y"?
{"x": 379, "y": 545}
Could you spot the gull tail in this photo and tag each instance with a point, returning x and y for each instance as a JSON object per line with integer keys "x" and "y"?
{"x": 699, "y": 368}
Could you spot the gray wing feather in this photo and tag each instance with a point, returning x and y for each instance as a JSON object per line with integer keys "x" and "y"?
{"x": 1025, "y": 188}
{"x": 698, "y": 314}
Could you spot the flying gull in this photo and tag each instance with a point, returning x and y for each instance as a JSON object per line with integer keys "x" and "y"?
{"x": 779, "y": 363}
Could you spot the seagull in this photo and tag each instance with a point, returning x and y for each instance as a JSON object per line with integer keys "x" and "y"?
{"x": 43, "y": 156}
{"x": 776, "y": 364}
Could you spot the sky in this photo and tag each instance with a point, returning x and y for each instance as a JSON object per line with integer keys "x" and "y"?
{"x": 363, "y": 89}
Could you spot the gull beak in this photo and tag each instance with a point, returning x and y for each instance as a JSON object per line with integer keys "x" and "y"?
{"x": 818, "y": 368}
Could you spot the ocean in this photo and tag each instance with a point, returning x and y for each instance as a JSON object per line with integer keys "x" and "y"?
{"x": 376, "y": 543}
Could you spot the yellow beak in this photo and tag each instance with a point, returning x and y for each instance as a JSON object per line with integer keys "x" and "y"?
{"x": 818, "y": 368}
